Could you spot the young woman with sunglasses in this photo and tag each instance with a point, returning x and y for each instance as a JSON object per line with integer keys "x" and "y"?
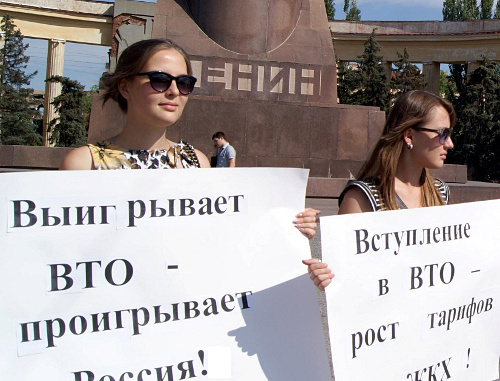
{"x": 416, "y": 137}
{"x": 151, "y": 84}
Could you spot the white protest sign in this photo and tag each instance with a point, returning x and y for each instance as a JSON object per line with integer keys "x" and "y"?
{"x": 416, "y": 294}
{"x": 156, "y": 275}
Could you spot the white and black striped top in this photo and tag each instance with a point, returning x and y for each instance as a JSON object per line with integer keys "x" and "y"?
{"x": 371, "y": 190}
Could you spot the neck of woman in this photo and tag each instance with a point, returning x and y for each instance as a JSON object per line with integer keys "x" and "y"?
{"x": 408, "y": 171}
{"x": 139, "y": 137}
{"x": 407, "y": 183}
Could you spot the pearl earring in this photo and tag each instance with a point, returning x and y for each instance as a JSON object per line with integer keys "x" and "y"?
{"x": 409, "y": 145}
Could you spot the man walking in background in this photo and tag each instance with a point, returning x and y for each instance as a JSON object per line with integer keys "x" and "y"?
{"x": 226, "y": 154}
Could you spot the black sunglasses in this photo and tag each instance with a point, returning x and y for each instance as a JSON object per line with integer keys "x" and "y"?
{"x": 161, "y": 81}
{"x": 444, "y": 133}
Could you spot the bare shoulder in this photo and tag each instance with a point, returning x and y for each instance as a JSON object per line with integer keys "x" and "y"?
{"x": 77, "y": 159}
{"x": 204, "y": 162}
{"x": 355, "y": 201}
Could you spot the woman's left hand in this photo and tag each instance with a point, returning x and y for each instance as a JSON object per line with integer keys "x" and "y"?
{"x": 306, "y": 222}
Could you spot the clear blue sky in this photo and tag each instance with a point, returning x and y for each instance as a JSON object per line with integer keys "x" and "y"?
{"x": 86, "y": 63}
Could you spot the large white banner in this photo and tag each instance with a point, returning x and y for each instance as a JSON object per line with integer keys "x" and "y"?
{"x": 416, "y": 294}
{"x": 156, "y": 275}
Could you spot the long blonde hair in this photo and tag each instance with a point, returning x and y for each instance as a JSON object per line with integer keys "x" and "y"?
{"x": 411, "y": 109}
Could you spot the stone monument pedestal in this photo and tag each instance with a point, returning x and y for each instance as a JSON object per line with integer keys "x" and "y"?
{"x": 267, "y": 78}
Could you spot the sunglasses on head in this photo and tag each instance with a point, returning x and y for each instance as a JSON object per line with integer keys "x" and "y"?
{"x": 161, "y": 81}
{"x": 444, "y": 133}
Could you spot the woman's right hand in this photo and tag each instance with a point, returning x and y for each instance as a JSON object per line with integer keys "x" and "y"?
{"x": 319, "y": 272}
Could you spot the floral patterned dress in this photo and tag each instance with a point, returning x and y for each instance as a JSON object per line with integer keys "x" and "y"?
{"x": 106, "y": 155}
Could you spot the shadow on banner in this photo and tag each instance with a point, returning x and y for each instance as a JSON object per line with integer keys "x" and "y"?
{"x": 289, "y": 343}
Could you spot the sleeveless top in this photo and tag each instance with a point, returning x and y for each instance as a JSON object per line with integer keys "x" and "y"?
{"x": 106, "y": 155}
{"x": 371, "y": 191}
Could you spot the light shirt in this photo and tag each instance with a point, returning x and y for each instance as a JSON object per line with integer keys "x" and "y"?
{"x": 225, "y": 153}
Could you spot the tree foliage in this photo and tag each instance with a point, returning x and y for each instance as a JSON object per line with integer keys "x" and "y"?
{"x": 474, "y": 97}
{"x": 477, "y": 134}
{"x": 447, "y": 87}
{"x": 466, "y": 10}
{"x": 497, "y": 11}
{"x": 486, "y": 9}
{"x": 330, "y": 9}
{"x": 450, "y": 10}
{"x": 375, "y": 88}
{"x": 69, "y": 129}
{"x": 349, "y": 81}
{"x": 352, "y": 12}
{"x": 406, "y": 76}
{"x": 463, "y": 10}
{"x": 365, "y": 83}
{"x": 18, "y": 115}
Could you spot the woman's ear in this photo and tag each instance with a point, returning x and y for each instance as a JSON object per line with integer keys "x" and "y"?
{"x": 408, "y": 136}
{"x": 123, "y": 88}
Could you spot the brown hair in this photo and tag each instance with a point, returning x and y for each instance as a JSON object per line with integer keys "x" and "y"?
{"x": 411, "y": 109}
{"x": 131, "y": 61}
{"x": 218, "y": 135}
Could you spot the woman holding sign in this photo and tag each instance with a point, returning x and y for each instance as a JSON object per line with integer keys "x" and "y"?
{"x": 416, "y": 137}
{"x": 151, "y": 84}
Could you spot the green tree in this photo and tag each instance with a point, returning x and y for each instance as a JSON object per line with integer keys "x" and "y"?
{"x": 406, "y": 76}
{"x": 477, "y": 133}
{"x": 330, "y": 9}
{"x": 451, "y": 11}
{"x": 474, "y": 132}
{"x": 464, "y": 10}
{"x": 447, "y": 87}
{"x": 18, "y": 116}
{"x": 470, "y": 10}
{"x": 88, "y": 98}
{"x": 352, "y": 12}
{"x": 374, "y": 89}
{"x": 486, "y": 9}
{"x": 497, "y": 10}
{"x": 69, "y": 129}
{"x": 365, "y": 83}
{"x": 348, "y": 82}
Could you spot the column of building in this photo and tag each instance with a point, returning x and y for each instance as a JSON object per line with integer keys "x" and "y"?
{"x": 55, "y": 65}
{"x": 388, "y": 70}
{"x": 432, "y": 74}
{"x": 472, "y": 65}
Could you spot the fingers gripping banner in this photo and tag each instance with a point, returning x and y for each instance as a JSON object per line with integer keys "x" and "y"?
{"x": 416, "y": 293}
{"x": 156, "y": 275}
